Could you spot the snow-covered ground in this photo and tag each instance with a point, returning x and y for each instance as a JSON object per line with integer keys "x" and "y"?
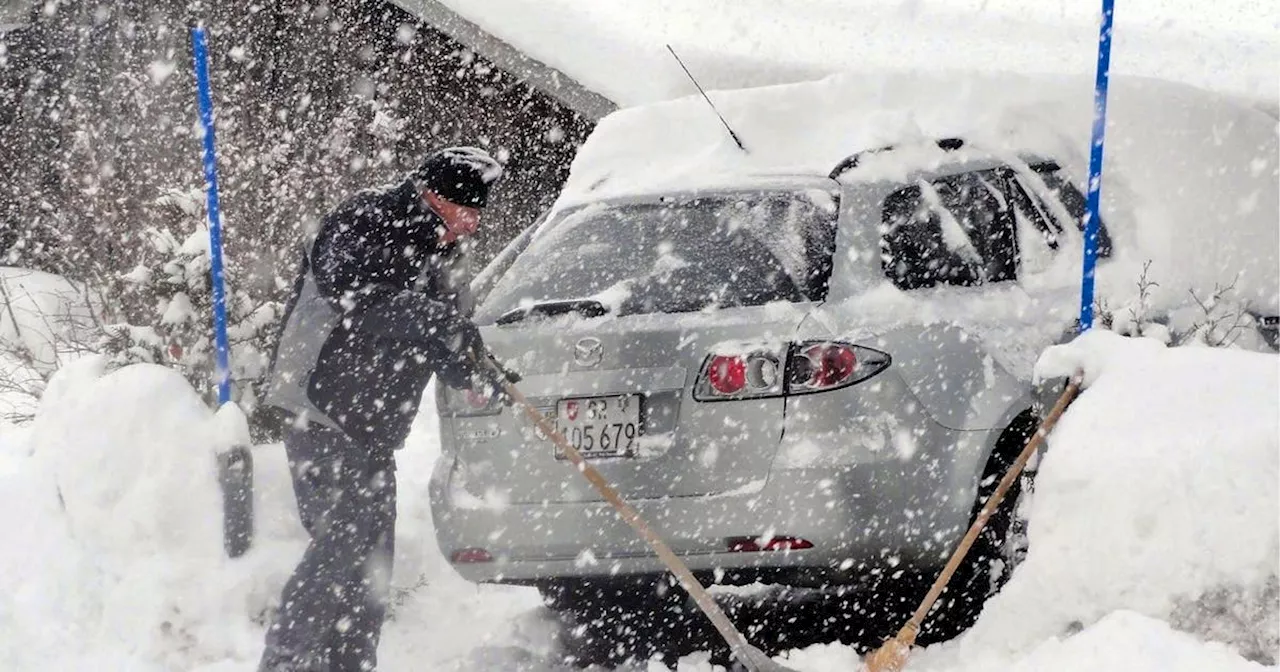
{"x": 1154, "y": 534}
{"x": 1154, "y": 537}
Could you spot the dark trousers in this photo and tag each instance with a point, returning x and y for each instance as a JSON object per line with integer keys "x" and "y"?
{"x": 331, "y": 609}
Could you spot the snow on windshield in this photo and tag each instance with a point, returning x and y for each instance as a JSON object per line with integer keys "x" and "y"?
{"x": 733, "y": 249}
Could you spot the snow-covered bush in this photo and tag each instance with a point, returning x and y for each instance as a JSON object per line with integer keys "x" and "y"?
{"x": 167, "y": 303}
{"x": 1217, "y": 317}
{"x": 45, "y": 321}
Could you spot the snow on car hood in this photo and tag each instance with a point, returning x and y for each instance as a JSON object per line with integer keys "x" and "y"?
{"x": 1190, "y": 178}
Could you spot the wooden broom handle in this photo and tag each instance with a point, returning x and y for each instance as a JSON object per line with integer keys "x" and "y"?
{"x": 748, "y": 655}
{"x": 1073, "y": 388}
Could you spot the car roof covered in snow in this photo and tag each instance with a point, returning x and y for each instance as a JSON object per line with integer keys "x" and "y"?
{"x": 1187, "y": 172}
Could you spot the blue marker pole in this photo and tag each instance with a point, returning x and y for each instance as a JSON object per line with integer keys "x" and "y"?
{"x": 223, "y": 372}
{"x": 1095, "y": 167}
{"x": 235, "y": 463}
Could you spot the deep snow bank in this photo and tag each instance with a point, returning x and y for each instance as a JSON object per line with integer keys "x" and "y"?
{"x": 1159, "y": 487}
{"x": 113, "y": 556}
{"x": 1153, "y": 526}
{"x": 115, "y": 523}
{"x": 1154, "y": 529}
{"x": 1157, "y": 496}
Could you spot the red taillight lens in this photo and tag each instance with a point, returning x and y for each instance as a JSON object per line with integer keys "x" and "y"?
{"x": 740, "y": 376}
{"x": 788, "y": 544}
{"x": 759, "y": 544}
{"x": 477, "y": 399}
{"x": 825, "y": 365}
{"x": 810, "y": 366}
{"x": 470, "y": 556}
{"x": 831, "y": 364}
{"x": 727, "y": 374}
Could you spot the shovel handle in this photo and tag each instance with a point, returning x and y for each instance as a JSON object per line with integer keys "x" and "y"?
{"x": 752, "y": 658}
{"x": 1069, "y": 393}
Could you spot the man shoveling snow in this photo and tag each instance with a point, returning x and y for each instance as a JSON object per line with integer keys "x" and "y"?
{"x": 373, "y": 315}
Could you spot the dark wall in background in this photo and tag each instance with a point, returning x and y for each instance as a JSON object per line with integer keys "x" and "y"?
{"x": 314, "y": 100}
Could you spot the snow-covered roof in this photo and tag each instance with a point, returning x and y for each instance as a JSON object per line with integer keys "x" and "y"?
{"x": 1191, "y": 177}
{"x": 538, "y": 74}
{"x": 617, "y": 47}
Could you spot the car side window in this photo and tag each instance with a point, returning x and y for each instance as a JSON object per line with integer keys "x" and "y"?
{"x": 1028, "y": 204}
{"x": 955, "y": 230}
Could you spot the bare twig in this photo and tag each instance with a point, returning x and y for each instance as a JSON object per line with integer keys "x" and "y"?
{"x": 1145, "y": 285}
{"x": 1214, "y": 329}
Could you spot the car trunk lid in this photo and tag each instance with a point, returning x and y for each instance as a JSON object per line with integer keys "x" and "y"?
{"x": 682, "y": 447}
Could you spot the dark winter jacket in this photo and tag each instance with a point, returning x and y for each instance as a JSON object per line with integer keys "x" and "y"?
{"x": 372, "y": 317}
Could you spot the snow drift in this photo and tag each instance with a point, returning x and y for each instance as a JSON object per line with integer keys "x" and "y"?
{"x": 1154, "y": 533}
{"x": 1158, "y": 491}
{"x": 114, "y": 558}
{"x": 119, "y": 532}
{"x": 1154, "y": 542}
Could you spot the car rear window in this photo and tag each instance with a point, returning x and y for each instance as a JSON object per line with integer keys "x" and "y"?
{"x": 678, "y": 256}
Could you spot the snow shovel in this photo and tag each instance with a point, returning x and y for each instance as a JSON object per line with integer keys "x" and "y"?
{"x": 753, "y": 659}
{"x": 892, "y": 655}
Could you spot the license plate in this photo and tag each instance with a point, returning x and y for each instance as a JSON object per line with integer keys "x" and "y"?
{"x": 600, "y": 426}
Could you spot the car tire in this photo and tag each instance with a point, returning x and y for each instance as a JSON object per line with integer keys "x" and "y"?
{"x": 1001, "y": 545}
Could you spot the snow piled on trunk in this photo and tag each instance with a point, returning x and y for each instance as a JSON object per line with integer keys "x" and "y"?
{"x": 1190, "y": 177}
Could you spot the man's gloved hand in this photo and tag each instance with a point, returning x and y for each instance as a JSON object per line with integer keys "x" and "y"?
{"x": 507, "y": 374}
{"x": 492, "y": 378}
{"x": 456, "y": 361}
{"x": 463, "y": 338}
{"x": 474, "y": 366}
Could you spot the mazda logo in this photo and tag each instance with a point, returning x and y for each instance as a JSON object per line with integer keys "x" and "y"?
{"x": 588, "y": 351}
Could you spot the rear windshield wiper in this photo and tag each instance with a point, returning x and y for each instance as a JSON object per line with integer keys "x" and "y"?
{"x": 584, "y": 307}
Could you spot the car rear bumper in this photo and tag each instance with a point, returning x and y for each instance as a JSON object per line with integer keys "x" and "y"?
{"x": 862, "y": 521}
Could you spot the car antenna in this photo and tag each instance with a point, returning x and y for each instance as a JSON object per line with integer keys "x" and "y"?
{"x": 708, "y": 99}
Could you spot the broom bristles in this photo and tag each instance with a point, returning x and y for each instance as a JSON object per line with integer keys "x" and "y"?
{"x": 892, "y": 655}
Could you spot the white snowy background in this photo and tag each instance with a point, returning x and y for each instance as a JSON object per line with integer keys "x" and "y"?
{"x": 1155, "y": 537}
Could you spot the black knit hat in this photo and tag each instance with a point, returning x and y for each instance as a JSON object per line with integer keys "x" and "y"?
{"x": 460, "y": 175}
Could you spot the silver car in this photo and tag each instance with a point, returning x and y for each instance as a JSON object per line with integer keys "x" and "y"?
{"x": 704, "y": 350}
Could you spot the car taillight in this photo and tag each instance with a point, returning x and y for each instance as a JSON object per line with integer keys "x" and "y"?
{"x": 470, "y": 556}
{"x": 810, "y": 366}
{"x": 465, "y": 403}
{"x": 766, "y": 544}
{"x": 739, "y": 376}
{"x": 727, "y": 374}
{"x": 822, "y": 366}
